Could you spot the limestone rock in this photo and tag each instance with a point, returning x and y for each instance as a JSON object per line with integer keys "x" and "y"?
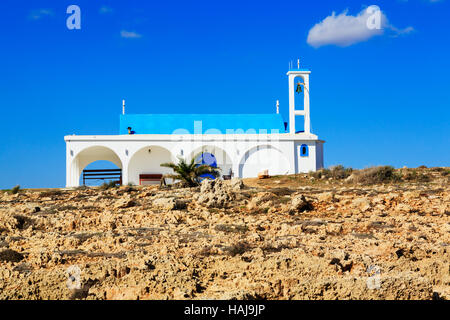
{"x": 299, "y": 203}
{"x": 226, "y": 240}
{"x": 215, "y": 194}
{"x": 237, "y": 184}
{"x": 123, "y": 203}
{"x": 170, "y": 203}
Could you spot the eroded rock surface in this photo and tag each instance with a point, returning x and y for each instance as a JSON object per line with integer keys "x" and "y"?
{"x": 278, "y": 238}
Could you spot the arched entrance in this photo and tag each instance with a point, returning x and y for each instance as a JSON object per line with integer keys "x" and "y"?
{"x": 96, "y": 158}
{"x": 208, "y": 159}
{"x": 299, "y": 100}
{"x": 264, "y": 157}
{"x": 214, "y": 156}
{"x": 147, "y": 161}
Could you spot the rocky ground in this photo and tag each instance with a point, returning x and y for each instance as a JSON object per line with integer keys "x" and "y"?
{"x": 292, "y": 237}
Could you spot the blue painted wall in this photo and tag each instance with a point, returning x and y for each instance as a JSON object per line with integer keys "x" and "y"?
{"x": 201, "y": 123}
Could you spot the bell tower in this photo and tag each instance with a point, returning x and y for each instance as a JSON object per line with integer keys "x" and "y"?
{"x": 298, "y": 81}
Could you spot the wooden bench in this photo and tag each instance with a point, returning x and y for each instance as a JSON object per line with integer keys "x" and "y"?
{"x": 150, "y": 177}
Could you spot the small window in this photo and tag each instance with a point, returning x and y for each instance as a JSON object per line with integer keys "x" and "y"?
{"x": 304, "y": 150}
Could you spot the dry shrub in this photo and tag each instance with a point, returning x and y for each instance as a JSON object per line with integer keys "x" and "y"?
{"x": 413, "y": 175}
{"x": 338, "y": 172}
{"x": 51, "y": 193}
{"x": 109, "y": 185}
{"x": 375, "y": 175}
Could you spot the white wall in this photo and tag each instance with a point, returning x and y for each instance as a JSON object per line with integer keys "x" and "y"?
{"x": 145, "y": 162}
{"x": 306, "y": 164}
{"x": 264, "y": 158}
{"x": 240, "y": 152}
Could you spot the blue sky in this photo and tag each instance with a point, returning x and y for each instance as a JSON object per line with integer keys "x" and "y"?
{"x": 375, "y": 99}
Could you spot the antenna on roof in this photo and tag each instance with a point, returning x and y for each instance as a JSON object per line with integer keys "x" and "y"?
{"x": 278, "y": 106}
{"x": 123, "y": 106}
{"x": 298, "y": 63}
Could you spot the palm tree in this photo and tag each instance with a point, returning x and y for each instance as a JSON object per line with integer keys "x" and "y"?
{"x": 190, "y": 173}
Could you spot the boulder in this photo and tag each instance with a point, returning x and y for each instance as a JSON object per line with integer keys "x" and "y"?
{"x": 123, "y": 203}
{"x": 170, "y": 203}
{"x": 300, "y": 204}
{"x": 363, "y": 204}
{"x": 237, "y": 184}
{"x": 327, "y": 197}
{"x": 215, "y": 194}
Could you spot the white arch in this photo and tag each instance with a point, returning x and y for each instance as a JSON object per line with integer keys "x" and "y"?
{"x": 148, "y": 160}
{"x": 263, "y": 157}
{"x": 224, "y": 161}
{"x": 89, "y": 155}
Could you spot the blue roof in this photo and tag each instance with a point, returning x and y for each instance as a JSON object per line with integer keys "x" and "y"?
{"x": 201, "y": 123}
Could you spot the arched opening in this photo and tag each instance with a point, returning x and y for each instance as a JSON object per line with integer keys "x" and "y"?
{"x": 95, "y": 165}
{"x": 261, "y": 158}
{"x": 299, "y": 101}
{"x": 99, "y": 172}
{"x": 208, "y": 159}
{"x": 147, "y": 161}
{"x": 216, "y": 157}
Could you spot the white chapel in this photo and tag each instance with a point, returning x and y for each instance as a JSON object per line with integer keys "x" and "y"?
{"x": 241, "y": 145}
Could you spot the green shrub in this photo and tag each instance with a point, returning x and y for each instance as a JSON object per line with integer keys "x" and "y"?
{"x": 108, "y": 185}
{"x": 15, "y": 190}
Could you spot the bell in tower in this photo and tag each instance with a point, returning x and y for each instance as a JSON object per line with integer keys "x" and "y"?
{"x": 299, "y": 88}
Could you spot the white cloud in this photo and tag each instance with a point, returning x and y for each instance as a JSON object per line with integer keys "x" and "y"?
{"x": 40, "y": 13}
{"x": 399, "y": 32}
{"x": 129, "y": 34}
{"x": 106, "y": 10}
{"x": 344, "y": 30}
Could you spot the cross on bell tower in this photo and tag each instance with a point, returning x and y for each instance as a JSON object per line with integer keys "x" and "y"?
{"x": 303, "y": 75}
